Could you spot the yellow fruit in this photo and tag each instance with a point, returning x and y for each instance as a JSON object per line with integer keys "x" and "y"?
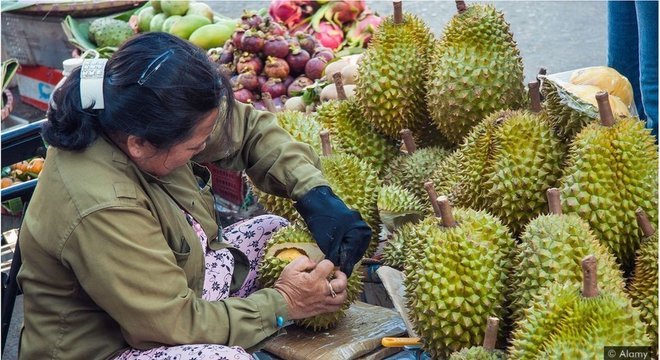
{"x": 200, "y": 9}
{"x": 174, "y": 7}
{"x": 144, "y": 18}
{"x": 606, "y": 79}
{"x": 213, "y": 35}
{"x": 187, "y": 25}
{"x": 169, "y": 22}
{"x": 6, "y": 182}
{"x": 157, "y": 22}
{"x": 587, "y": 93}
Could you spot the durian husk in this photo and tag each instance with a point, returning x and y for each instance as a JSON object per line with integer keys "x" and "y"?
{"x": 562, "y": 324}
{"x": 550, "y": 251}
{"x": 397, "y": 206}
{"x": 411, "y": 171}
{"x": 610, "y": 172}
{"x": 270, "y": 269}
{"x": 643, "y": 288}
{"x": 457, "y": 280}
{"x": 478, "y": 353}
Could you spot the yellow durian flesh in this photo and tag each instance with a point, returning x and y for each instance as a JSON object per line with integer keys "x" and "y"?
{"x": 289, "y": 254}
{"x": 587, "y": 93}
{"x": 606, "y": 79}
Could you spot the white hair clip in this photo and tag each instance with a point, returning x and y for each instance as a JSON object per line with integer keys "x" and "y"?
{"x": 91, "y": 83}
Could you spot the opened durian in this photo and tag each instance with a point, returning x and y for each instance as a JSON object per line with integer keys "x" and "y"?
{"x": 566, "y": 323}
{"x": 605, "y": 78}
{"x": 476, "y": 70}
{"x": 285, "y": 246}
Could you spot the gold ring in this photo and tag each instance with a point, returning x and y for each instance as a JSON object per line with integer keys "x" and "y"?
{"x": 332, "y": 291}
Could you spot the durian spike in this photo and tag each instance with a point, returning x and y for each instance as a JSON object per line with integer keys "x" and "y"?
{"x": 398, "y": 11}
{"x": 590, "y": 277}
{"x": 554, "y": 201}
{"x": 460, "y": 6}
{"x": 268, "y": 102}
{"x": 534, "y": 96}
{"x": 326, "y": 147}
{"x": 492, "y": 327}
{"x": 446, "y": 212}
{"x": 408, "y": 141}
{"x": 433, "y": 196}
{"x": 644, "y": 223}
{"x": 339, "y": 85}
{"x": 606, "y": 115}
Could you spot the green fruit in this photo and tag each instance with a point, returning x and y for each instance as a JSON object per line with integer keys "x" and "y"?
{"x": 551, "y": 250}
{"x": 352, "y": 134}
{"x": 478, "y": 353}
{"x": 392, "y": 79}
{"x": 271, "y": 267}
{"x": 213, "y": 35}
{"x": 610, "y": 172}
{"x": 476, "y": 70}
{"x": 187, "y": 25}
{"x": 174, "y": 7}
{"x": 397, "y": 206}
{"x": 144, "y": 18}
{"x": 169, "y": 22}
{"x": 157, "y": 22}
{"x": 458, "y": 281}
{"x": 643, "y": 288}
{"x": 201, "y": 9}
{"x": 156, "y": 5}
{"x": 110, "y": 32}
{"x": 411, "y": 171}
{"x": 563, "y": 324}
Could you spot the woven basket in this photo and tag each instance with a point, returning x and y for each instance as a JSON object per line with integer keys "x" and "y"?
{"x": 79, "y": 9}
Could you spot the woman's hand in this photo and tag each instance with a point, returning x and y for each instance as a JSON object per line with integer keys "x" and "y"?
{"x": 307, "y": 290}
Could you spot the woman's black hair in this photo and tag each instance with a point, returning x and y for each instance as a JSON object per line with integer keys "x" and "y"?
{"x": 156, "y": 86}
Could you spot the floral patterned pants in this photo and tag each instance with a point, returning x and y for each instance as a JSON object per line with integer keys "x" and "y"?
{"x": 250, "y": 236}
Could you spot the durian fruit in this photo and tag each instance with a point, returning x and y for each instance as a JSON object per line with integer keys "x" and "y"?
{"x": 458, "y": 279}
{"x": 505, "y": 165}
{"x": 643, "y": 289}
{"x": 570, "y": 107}
{"x": 605, "y": 78}
{"x": 413, "y": 169}
{"x": 611, "y": 171}
{"x": 551, "y": 250}
{"x": 397, "y": 247}
{"x": 485, "y": 352}
{"x": 392, "y": 78}
{"x": 476, "y": 70}
{"x": 562, "y": 323}
{"x": 285, "y": 246}
{"x": 397, "y": 206}
{"x": 352, "y": 133}
{"x": 303, "y": 129}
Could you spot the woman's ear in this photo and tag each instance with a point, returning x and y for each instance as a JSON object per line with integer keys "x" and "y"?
{"x": 138, "y": 147}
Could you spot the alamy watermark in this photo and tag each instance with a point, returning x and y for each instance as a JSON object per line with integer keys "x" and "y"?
{"x": 628, "y": 353}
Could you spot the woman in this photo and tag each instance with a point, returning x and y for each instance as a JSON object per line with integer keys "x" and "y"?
{"x": 122, "y": 255}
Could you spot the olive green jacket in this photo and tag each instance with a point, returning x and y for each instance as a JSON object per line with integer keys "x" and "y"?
{"x": 109, "y": 260}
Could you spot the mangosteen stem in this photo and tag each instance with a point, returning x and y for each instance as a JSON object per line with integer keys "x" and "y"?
{"x": 433, "y": 196}
{"x": 398, "y": 11}
{"x": 408, "y": 141}
{"x": 460, "y": 6}
{"x": 534, "y": 96}
{"x": 606, "y": 115}
{"x": 268, "y": 102}
{"x": 554, "y": 201}
{"x": 446, "y": 211}
{"x": 590, "y": 278}
{"x": 492, "y": 327}
{"x": 326, "y": 147}
{"x": 644, "y": 223}
{"x": 339, "y": 85}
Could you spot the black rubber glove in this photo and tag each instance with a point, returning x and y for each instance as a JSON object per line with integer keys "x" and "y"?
{"x": 339, "y": 231}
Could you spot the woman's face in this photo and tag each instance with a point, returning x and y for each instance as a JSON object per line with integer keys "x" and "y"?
{"x": 160, "y": 162}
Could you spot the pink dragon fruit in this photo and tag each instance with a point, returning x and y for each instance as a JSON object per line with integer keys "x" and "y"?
{"x": 341, "y": 12}
{"x": 329, "y": 34}
{"x": 360, "y": 32}
{"x": 288, "y": 12}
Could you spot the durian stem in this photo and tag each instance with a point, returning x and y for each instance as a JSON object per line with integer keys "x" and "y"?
{"x": 408, "y": 141}
{"x": 542, "y": 71}
{"x": 398, "y": 11}
{"x": 554, "y": 201}
{"x": 460, "y": 6}
{"x": 644, "y": 223}
{"x": 534, "y": 96}
{"x": 490, "y": 338}
{"x": 446, "y": 212}
{"x": 326, "y": 147}
{"x": 590, "y": 278}
{"x": 433, "y": 196}
{"x": 606, "y": 115}
{"x": 268, "y": 102}
{"x": 339, "y": 85}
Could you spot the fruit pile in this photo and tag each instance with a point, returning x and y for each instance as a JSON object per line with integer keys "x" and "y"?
{"x": 22, "y": 171}
{"x": 261, "y": 57}
{"x": 496, "y": 205}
